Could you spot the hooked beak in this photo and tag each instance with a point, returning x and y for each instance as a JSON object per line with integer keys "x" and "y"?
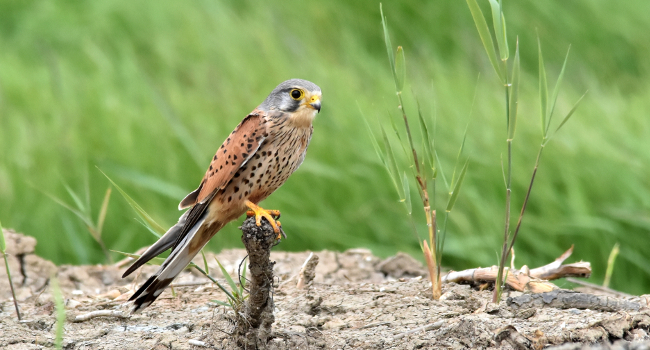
{"x": 314, "y": 102}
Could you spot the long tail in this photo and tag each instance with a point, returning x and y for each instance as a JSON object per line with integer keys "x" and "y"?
{"x": 180, "y": 257}
{"x": 165, "y": 242}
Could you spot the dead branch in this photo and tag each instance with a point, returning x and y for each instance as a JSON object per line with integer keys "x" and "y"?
{"x": 525, "y": 279}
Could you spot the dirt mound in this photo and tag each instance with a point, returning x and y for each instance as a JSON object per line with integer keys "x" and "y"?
{"x": 357, "y": 301}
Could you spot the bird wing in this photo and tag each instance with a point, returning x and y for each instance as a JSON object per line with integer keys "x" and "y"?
{"x": 238, "y": 148}
{"x": 240, "y": 145}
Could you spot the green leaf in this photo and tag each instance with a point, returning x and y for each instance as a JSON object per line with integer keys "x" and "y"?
{"x": 460, "y": 153}
{"x": 499, "y": 29}
{"x": 427, "y": 140}
{"x": 400, "y": 69}
{"x": 102, "y": 212}
{"x": 157, "y": 261}
{"x": 205, "y": 263}
{"x": 226, "y": 275}
{"x": 76, "y": 212}
{"x": 219, "y": 302}
{"x": 486, "y": 38}
{"x": 407, "y": 194}
{"x": 60, "y": 312}
{"x": 543, "y": 89}
{"x": 77, "y": 200}
{"x": 442, "y": 172}
{"x": 389, "y": 46}
{"x": 3, "y": 244}
{"x": 556, "y": 89}
{"x": 242, "y": 280}
{"x": 454, "y": 194}
{"x": 575, "y": 106}
{"x": 514, "y": 95}
{"x": 373, "y": 139}
{"x": 392, "y": 165}
{"x": 610, "y": 264}
{"x": 137, "y": 208}
{"x": 397, "y": 134}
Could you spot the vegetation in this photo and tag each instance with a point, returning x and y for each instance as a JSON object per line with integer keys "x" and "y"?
{"x": 509, "y": 81}
{"x": 147, "y": 92}
{"x": 423, "y": 166}
{"x": 3, "y": 252}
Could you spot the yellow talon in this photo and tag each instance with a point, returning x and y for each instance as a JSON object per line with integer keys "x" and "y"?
{"x": 259, "y": 213}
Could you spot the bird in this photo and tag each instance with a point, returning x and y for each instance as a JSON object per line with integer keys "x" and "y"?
{"x": 267, "y": 146}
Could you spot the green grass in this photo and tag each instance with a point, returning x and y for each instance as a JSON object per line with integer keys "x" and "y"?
{"x": 148, "y": 91}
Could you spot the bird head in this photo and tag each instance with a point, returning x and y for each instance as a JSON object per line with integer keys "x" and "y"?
{"x": 299, "y": 98}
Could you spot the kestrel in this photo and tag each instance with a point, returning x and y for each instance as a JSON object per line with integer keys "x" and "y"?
{"x": 255, "y": 160}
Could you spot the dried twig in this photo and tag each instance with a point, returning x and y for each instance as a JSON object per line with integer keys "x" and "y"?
{"x": 198, "y": 343}
{"x": 426, "y": 328}
{"x": 534, "y": 280}
{"x": 374, "y": 324}
{"x": 100, "y": 313}
{"x": 307, "y": 272}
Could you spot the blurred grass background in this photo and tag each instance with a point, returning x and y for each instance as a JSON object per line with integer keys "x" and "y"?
{"x": 147, "y": 91}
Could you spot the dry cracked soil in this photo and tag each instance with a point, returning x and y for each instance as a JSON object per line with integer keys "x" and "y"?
{"x": 356, "y": 301}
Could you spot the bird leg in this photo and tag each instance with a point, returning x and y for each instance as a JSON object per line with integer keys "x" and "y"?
{"x": 270, "y": 215}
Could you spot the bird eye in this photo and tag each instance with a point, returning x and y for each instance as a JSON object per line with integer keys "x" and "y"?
{"x": 296, "y": 94}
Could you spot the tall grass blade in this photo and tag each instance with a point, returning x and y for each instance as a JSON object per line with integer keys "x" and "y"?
{"x": 499, "y": 23}
{"x": 400, "y": 69}
{"x": 543, "y": 89}
{"x": 458, "y": 156}
{"x": 137, "y": 208}
{"x": 575, "y": 106}
{"x": 76, "y": 199}
{"x": 149, "y": 228}
{"x": 231, "y": 283}
{"x": 610, "y": 264}
{"x": 242, "y": 280}
{"x": 486, "y": 38}
{"x": 389, "y": 46}
{"x": 157, "y": 261}
{"x": 76, "y": 212}
{"x": 102, "y": 212}
{"x": 456, "y": 190}
{"x": 514, "y": 95}
{"x": 442, "y": 172}
{"x": 205, "y": 263}
{"x": 397, "y": 133}
{"x": 393, "y": 170}
{"x": 87, "y": 191}
{"x": 60, "y": 312}
{"x": 375, "y": 143}
{"x": 3, "y": 243}
{"x": 556, "y": 89}
{"x": 407, "y": 194}
{"x": 427, "y": 140}
{"x": 3, "y": 248}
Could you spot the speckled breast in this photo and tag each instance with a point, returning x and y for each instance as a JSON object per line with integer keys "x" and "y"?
{"x": 268, "y": 168}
